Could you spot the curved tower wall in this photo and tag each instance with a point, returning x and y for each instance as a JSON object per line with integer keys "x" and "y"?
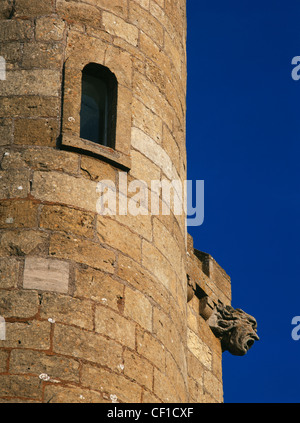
{"x": 94, "y": 306}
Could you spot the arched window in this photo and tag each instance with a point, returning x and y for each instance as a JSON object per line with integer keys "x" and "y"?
{"x": 98, "y": 112}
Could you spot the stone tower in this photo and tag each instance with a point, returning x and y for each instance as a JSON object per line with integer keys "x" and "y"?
{"x": 101, "y": 307}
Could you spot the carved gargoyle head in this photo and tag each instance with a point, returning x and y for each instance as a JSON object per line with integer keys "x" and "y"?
{"x": 236, "y": 329}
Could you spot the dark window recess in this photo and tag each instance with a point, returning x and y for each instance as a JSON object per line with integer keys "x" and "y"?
{"x": 98, "y": 112}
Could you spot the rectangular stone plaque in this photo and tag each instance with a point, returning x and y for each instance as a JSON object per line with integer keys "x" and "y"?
{"x": 46, "y": 274}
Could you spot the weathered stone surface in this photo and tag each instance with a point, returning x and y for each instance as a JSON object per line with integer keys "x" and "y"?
{"x": 171, "y": 147}
{"x": 213, "y": 386}
{"x": 144, "y": 3}
{"x": 177, "y": 377}
{"x": 169, "y": 336}
{"x": 14, "y": 184}
{"x": 46, "y": 274}
{"x": 156, "y": 54}
{"x": 67, "y": 310}
{"x": 3, "y": 361}
{"x": 150, "y": 398}
{"x": 9, "y": 272}
{"x": 69, "y": 220}
{"x": 154, "y": 261}
{"x": 150, "y": 95}
{"x": 32, "y": 334}
{"x": 74, "y": 11}
{"x": 144, "y": 169}
{"x": 112, "y": 324}
{"x": 199, "y": 349}
{"x": 195, "y": 368}
{"x": 22, "y": 243}
{"x": 138, "y": 369}
{"x": 40, "y": 159}
{"x": 34, "y": 8}
{"x": 178, "y": 313}
{"x": 167, "y": 245}
{"x": 109, "y": 231}
{"x": 140, "y": 224}
{"x": 6, "y": 9}
{"x": 18, "y": 214}
{"x": 12, "y": 52}
{"x": 205, "y": 332}
{"x": 97, "y": 170}
{"x": 20, "y": 386}
{"x": 82, "y": 49}
{"x": 36, "y": 132}
{"x": 173, "y": 52}
{"x": 152, "y": 151}
{"x": 146, "y": 22}
{"x": 16, "y": 30}
{"x": 31, "y": 106}
{"x": 192, "y": 320}
{"x": 146, "y": 120}
{"x": 156, "y": 76}
{"x": 124, "y": 123}
{"x": 65, "y": 189}
{"x": 161, "y": 3}
{"x": 117, "y": 26}
{"x": 115, "y": 385}
{"x": 120, "y": 63}
{"x": 87, "y": 345}
{"x": 176, "y": 13}
{"x": 42, "y": 55}
{"x": 82, "y": 251}
{"x": 99, "y": 287}
{"x": 195, "y": 390}
{"x": 70, "y": 394}
{"x": 118, "y": 7}
{"x": 31, "y": 82}
{"x": 139, "y": 278}
{"x": 5, "y": 132}
{"x": 21, "y": 304}
{"x": 48, "y": 28}
{"x": 156, "y": 9}
{"x": 176, "y": 99}
{"x": 164, "y": 388}
{"x": 217, "y": 364}
{"x": 35, "y": 362}
{"x": 151, "y": 348}
{"x": 138, "y": 308}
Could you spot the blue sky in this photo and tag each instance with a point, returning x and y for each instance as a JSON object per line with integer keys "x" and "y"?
{"x": 243, "y": 130}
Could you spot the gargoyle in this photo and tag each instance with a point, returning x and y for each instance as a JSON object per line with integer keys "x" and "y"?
{"x": 235, "y": 328}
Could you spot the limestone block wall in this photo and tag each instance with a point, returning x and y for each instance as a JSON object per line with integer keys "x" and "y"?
{"x": 95, "y": 306}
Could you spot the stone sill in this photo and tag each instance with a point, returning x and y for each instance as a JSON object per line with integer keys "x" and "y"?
{"x": 114, "y": 157}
